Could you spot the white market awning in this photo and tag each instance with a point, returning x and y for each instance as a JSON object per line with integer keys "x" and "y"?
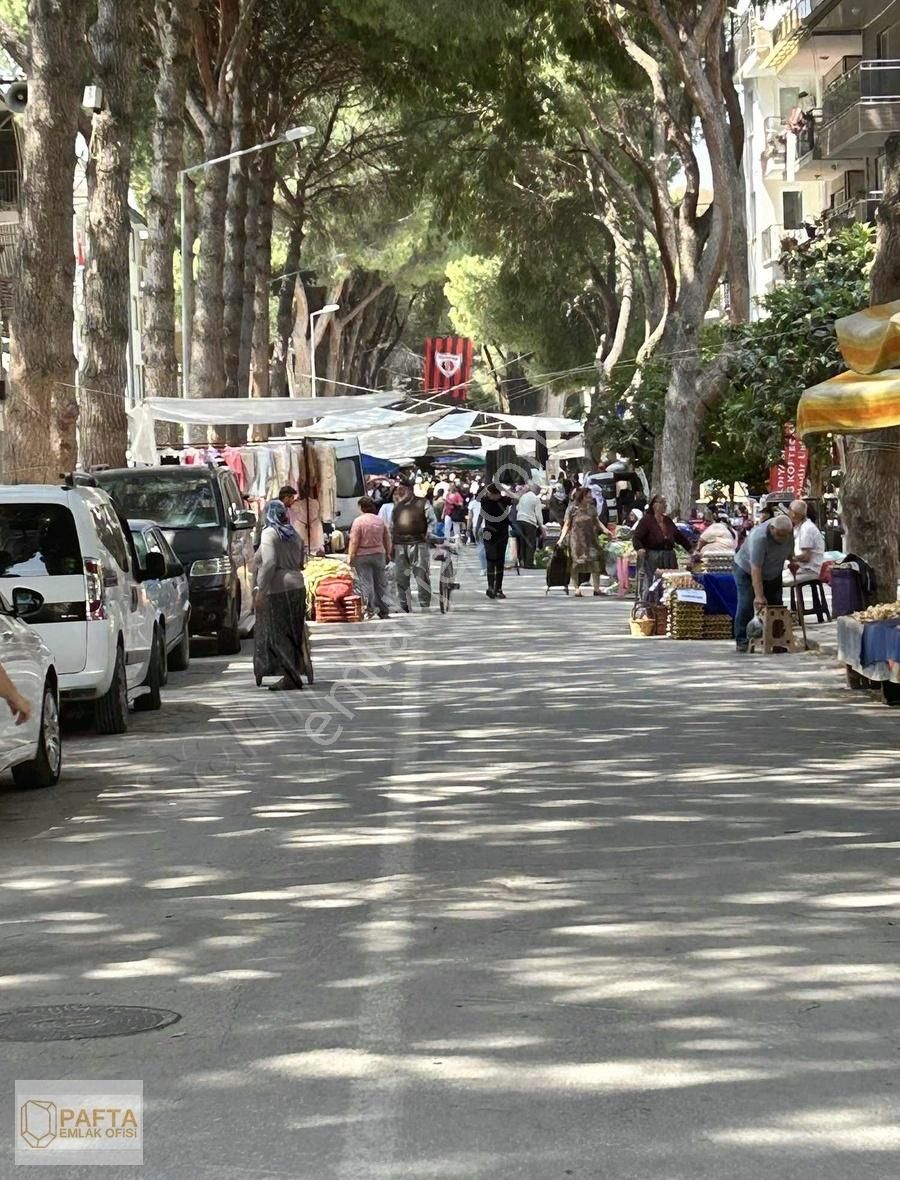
{"x": 250, "y": 411}
{"x": 537, "y": 423}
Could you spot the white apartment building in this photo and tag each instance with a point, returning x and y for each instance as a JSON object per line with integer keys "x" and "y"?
{"x": 789, "y": 61}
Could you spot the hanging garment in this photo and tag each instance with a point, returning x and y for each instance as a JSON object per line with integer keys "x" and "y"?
{"x": 235, "y": 463}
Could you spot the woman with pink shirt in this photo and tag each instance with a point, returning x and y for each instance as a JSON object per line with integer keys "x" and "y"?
{"x": 454, "y": 514}
{"x": 369, "y": 551}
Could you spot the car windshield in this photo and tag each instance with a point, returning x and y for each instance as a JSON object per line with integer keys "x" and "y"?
{"x": 38, "y": 540}
{"x": 177, "y": 498}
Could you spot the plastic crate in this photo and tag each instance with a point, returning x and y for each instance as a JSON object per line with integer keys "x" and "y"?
{"x": 345, "y": 610}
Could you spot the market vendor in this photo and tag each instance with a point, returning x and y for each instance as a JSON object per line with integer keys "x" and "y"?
{"x": 758, "y": 569}
{"x": 718, "y": 539}
{"x": 809, "y": 547}
{"x": 654, "y": 540}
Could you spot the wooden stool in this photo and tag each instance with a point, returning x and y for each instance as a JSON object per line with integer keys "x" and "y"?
{"x": 778, "y": 631}
{"x": 819, "y": 606}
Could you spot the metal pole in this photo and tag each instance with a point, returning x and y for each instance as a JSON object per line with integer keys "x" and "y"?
{"x": 187, "y": 280}
{"x": 312, "y": 351}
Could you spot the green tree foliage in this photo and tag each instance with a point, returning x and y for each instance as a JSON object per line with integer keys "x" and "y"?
{"x": 794, "y": 345}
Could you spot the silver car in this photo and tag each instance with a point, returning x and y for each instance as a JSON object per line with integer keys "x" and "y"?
{"x": 33, "y": 751}
{"x": 168, "y": 595}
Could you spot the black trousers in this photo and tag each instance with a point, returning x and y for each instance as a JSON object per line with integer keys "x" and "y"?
{"x": 530, "y": 542}
{"x": 495, "y": 555}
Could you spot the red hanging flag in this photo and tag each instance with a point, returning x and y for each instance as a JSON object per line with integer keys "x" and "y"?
{"x": 790, "y": 474}
{"x": 448, "y": 366}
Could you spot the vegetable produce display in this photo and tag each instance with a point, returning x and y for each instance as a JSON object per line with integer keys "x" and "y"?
{"x": 886, "y": 612}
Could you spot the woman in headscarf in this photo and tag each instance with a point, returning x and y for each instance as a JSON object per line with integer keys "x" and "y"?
{"x": 281, "y": 643}
{"x": 655, "y": 539}
{"x": 582, "y": 530}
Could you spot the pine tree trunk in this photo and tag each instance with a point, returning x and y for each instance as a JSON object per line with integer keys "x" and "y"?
{"x": 870, "y": 493}
{"x": 102, "y": 423}
{"x": 207, "y": 355}
{"x": 235, "y": 243}
{"x": 259, "y": 355}
{"x": 248, "y": 292}
{"x": 301, "y": 341}
{"x": 42, "y": 409}
{"x": 172, "y": 20}
{"x": 279, "y": 382}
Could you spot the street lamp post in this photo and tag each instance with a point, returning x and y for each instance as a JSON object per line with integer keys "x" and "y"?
{"x": 187, "y": 263}
{"x": 330, "y": 309}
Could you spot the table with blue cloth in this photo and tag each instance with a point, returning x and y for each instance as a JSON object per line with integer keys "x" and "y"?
{"x": 871, "y": 649}
{"x": 721, "y": 593}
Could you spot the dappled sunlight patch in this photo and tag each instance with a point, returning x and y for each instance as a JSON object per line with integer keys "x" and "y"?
{"x": 826, "y": 1129}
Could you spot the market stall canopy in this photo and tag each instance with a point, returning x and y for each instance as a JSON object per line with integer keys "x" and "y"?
{"x": 572, "y": 448}
{"x": 249, "y": 411}
{"x": 851, "y": 402}
{"x": 870, "y": 339}
{"x": 535, "y": 422}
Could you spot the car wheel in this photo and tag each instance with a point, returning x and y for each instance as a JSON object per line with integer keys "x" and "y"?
{"x": 111, "y": 711}
{"x": 228, "y": 636}
{"x": 163, "y": 658}
{"x": 43, "y": 770}
{"x": 148, "y": 702}
{"x": 180, "y": 656}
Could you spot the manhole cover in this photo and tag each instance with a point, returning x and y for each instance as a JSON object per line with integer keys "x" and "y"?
{"x": 81, "y": 1022}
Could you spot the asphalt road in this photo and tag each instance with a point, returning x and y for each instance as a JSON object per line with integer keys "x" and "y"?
{"x": 508, "y": 894}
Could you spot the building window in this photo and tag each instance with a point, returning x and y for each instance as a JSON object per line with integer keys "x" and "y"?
{"x": 792, "y": 210}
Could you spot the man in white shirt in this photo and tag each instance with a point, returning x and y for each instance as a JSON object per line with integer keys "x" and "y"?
{"x": 530, "y": 519}
{"x": 594, "y": 483}
{"x": 809, "y": 546}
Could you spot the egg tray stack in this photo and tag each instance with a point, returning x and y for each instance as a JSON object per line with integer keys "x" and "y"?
{"x": 716, "y": 564}
{"x": 718, "y": 627}
{"x": 685, "y": 619}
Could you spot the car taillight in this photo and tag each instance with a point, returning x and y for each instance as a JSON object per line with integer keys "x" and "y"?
{"x": 93, "y": 580}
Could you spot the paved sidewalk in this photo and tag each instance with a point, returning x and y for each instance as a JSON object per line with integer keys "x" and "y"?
{"x": 509, "y": 895}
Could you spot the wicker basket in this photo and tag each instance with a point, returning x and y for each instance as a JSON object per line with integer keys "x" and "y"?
{"x": 643, "y": 624}
{"x": 345, "y": 610}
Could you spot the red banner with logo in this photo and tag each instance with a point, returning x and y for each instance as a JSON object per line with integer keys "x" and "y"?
{"x": 790, "y": 474}
{"x": 448, "y": 366}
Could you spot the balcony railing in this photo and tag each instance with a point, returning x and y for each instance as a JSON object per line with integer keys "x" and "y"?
{"x": 858, "y": 209}
{"x": 9, "y": 188}
{"x": 794, "y": 18}
{"x": 749, "y": 36}
{"x": 806, "y": 136}
{"x": 844, "y": 66}
{"x": 868, "y": 82}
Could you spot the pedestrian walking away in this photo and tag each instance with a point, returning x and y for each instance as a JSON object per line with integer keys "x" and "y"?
{"x": 413, "y": 523}
{"x": 369, "y": 551}
{"x": 454, "y": 514}
{"x": 281, "y": 643}
{"x": 495, "y": 526}
{"x": 530, "y": 519}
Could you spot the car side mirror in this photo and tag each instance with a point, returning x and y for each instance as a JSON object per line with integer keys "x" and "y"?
{"x": 26, "y": 602}
{"x": 243, "y": 520}
{"x": 155, "y": 567}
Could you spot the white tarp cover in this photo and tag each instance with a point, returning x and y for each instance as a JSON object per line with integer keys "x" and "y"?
{"x": 248, "y": 411}
{"x": 572, "y": 448}
{"x": 538, "y": 423}
{"x": 400, "y": 441}
{"x": 446, "y": 429}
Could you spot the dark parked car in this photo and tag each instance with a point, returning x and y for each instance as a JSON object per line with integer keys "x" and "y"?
{"x": 203, "y": 517}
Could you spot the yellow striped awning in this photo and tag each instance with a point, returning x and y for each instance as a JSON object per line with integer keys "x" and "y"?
{"x": 870, "y": 339}
{"x": 851, "y": 402}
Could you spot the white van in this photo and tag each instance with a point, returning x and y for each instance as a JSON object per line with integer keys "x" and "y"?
{"x": 350, "y": 482}
{"x": 69, "y": 545}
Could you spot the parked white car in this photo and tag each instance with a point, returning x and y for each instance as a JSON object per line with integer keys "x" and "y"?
{"x": 70, "y": 545}
{"x": 169, "y": 596}
{"x": 33, "y": 750}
